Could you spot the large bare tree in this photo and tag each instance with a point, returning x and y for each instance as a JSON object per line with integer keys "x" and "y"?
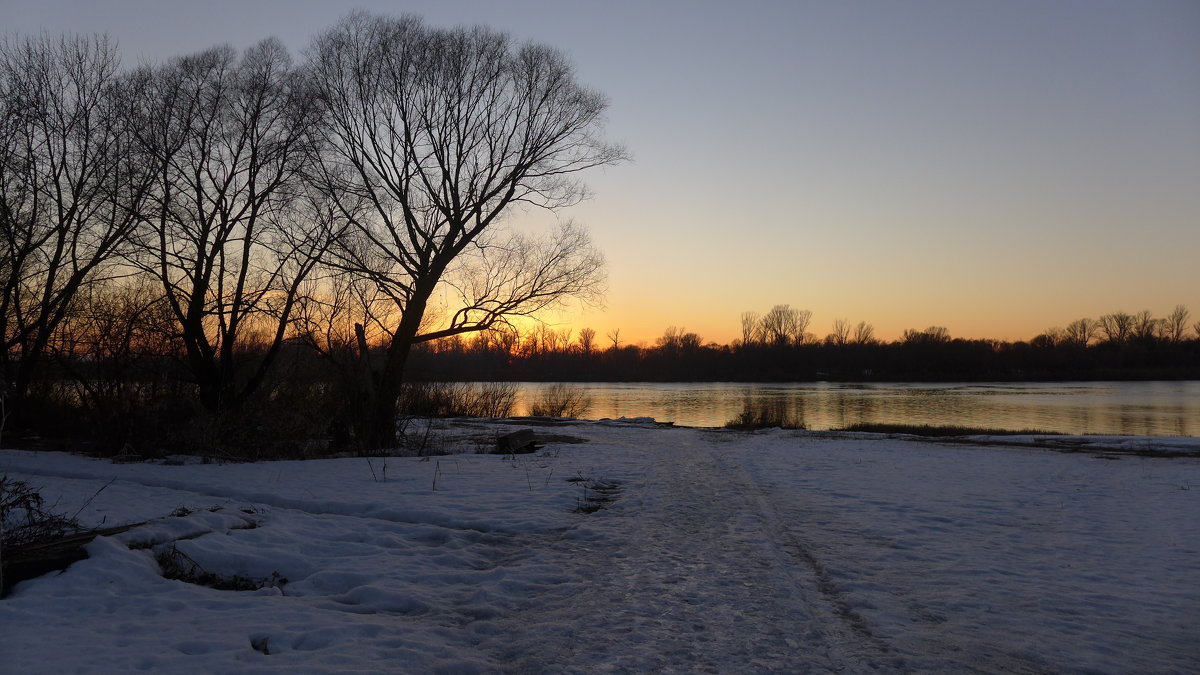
{"x": 70, "y": 186}
{"x": 1081, "y": 332}
{"x": 784, "y": 326}
{"x": 864, "y": 334}
{"x": 434, "y": 136}
{"x": 1117, "y": 327}
{"x": 234, "y": 227}
{"x": 1176, "y": 324}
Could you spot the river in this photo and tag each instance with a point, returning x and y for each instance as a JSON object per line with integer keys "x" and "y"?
{"x": 1122, "y": 408}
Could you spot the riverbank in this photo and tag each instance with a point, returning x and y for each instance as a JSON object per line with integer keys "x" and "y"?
{"x": 629, "y": 547}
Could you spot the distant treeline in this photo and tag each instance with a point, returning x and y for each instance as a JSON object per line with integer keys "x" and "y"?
{"x": 778, "y": 347}
{"x": 118, "y": 376}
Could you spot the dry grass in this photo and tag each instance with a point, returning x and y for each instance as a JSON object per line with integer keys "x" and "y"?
{"x": 26, "y": 519}
{"x": 933, "y": 430}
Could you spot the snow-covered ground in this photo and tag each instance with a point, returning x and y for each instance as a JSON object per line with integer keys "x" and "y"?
{"x": 718, "y": 552}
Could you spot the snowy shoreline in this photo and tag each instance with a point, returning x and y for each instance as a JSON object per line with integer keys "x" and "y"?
{"x": 715, "y": 551}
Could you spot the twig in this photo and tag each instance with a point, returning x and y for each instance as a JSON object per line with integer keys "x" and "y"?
{"x": 4, "y": 411}
{"x": 89, "y": 501}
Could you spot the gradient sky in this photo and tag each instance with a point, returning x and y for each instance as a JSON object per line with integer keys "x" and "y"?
{"x": 996, "y": 168}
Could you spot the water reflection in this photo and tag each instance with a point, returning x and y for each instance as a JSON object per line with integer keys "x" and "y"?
{"x": 1127, "y": 408}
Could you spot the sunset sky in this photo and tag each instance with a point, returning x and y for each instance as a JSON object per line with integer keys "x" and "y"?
{"x": 996, "y": 168}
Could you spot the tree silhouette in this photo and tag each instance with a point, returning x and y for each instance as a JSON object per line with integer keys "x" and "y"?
{"x": 70, "y": 187}
{"x": 233, "y": 230}
{"x": 1175, "y": 325}
{"x": 433, "y": 136}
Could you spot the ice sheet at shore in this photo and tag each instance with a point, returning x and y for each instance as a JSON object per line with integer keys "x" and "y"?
{"x": 721, "y": 552}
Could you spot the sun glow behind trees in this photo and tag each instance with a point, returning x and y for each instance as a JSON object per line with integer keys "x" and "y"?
{"x": 276, "y": 203}
{"x": 874, "y": 200}
{"x": 898, "y": 163}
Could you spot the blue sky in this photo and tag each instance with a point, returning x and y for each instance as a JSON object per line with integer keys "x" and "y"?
{"x": 993, "y": 167}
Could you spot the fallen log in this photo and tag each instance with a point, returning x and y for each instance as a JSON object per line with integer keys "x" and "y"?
{"x": 28, "y": 561}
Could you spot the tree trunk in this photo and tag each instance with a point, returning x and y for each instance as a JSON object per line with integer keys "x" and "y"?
{"x": 381, "y": 432}
{"x": 360, "y": 385}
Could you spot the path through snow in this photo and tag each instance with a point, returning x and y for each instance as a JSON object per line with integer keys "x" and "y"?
{"x": 724, "y": 552}
{"x": 697, "y": 574}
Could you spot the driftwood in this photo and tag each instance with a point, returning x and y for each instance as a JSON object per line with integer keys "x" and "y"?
{"x": 517, "y": 443}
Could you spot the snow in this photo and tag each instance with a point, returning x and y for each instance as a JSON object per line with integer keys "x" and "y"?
{"x": 717, "y": 551}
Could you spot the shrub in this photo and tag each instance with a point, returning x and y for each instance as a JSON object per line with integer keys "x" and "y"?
{"x": 561, "y": 400}
{"x": 460, "y": 399}
{"x": 25, "y": 519}
{"x": 494, "y": 399}
{"x": 767, "y": 413}
{"x": 177, "y": 565}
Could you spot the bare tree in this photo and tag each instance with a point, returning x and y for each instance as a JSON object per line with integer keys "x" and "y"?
{"x": 499, "y": 340}
{"x": 69, "y": 186}
{"x": 840, "y": 334}
{"x": 509, "y": 275}
{"x": 1145, "y": 326}
{"x": 614, "y": 336}
{"x": 1117, "y": 327}
{"x": 233, "y": 231}
{"x": 1053, "y": 337}
{"x": 778, "y": 325}
{"x": 864, "y": 333}
{"x": 676, "y": 340}
{"x": 751, "y": 328}
{"x": 931, "y": 335}
{"x": 1175, "y": 326}
{"x": 1081, "y": 332}
{"x": 440, "y": 133}
{"x": 587, "y": 340}
{"x": 544, "y": 339}
{"x": 113, "y": 341}
{"x": 803, "y": 319}
{"x": 785, "y": 326}
{"x": 338, "y": 315}
{"x": 563, "y": 343}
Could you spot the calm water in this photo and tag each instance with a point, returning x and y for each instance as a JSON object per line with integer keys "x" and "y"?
{"x": 1126, "y": 408}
